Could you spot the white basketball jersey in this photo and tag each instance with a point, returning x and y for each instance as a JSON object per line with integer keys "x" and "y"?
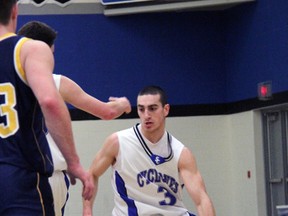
{"x": 144, "y": 183}
{"x": 58, "y": 159}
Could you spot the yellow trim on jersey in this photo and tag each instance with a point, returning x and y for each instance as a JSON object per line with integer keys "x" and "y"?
{"x": 7, "y": 35}
{"x": 40, "y": 194}
{"x": 17, "y": 60}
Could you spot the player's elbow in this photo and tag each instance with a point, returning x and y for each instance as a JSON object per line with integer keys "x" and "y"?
{"x": 48, "y": 103}
{"x": 109, "y": 115}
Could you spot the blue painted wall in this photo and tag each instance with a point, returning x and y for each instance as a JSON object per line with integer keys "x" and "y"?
{"x": 198, "y": 57}
{"x": 256, "y": 48}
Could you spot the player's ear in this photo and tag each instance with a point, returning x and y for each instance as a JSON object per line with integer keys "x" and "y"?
{"x": 166, "y": 109}
{"x": 14, "y": 13}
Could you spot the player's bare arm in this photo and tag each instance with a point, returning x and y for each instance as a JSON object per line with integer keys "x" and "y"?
{"x": 104, "y": 110}
{"x": 104, "y": 158}
{"x": 194, "y": 183}
{"x": 38, "y": 62}
{"x": 38, "y": 66}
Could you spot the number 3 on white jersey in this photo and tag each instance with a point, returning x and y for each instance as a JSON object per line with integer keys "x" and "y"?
{"x": 7, "y": 110}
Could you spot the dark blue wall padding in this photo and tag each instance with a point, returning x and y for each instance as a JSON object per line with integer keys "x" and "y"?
{"x": 119, "y": 55}
{"x": 256, "y": 48}
{"x": 208, "y": 57}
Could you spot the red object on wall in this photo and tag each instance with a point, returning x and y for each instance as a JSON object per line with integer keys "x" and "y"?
{"x": 248, "y": 174}
{"x": 265, "y": 90}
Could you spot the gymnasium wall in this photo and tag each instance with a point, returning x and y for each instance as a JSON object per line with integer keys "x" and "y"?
{"x": 204, "y": 57}
{"x": 209, "y": 62}
{"x": 226, "y": 148}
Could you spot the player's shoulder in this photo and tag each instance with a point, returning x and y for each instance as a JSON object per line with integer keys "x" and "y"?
{"x": 125, "y": 132}
{"x": 125, "y": 135}
{"x": 112, "y": 139}
{"x": 32, "y": 46}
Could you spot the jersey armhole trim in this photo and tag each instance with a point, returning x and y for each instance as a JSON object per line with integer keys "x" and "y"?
{"x": 17, "y": 61}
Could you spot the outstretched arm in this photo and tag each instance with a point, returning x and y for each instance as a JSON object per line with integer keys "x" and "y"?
{"x": 105, "y": 157}
{"x": 73, "y": 94}
{"x": 194, "y": 183}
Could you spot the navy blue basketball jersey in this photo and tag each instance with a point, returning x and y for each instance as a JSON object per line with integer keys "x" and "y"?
{"x": 22, "y": 128}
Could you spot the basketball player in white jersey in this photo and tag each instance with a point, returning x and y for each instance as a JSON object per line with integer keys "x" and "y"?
{"x": 150, "y": 166}
{"x": 73, "y": 94}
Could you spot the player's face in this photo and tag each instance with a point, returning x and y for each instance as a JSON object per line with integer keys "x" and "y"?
{"x": 151, "y": 112}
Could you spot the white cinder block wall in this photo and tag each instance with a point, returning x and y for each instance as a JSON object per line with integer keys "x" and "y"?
{"x": 226, "y": 147}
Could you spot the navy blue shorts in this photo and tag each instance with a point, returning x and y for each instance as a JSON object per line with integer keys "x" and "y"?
{"x": 24, "y": 193}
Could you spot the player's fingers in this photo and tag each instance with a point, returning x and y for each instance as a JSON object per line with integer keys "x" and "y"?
{"x": 87, "y": 192}
{"x": 112, "y": 98}
{"x": 88, "y": 188}
{"x": 72, "y": 180}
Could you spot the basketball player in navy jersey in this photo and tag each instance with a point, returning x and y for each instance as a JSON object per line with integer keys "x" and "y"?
{"x": 150, "y": 166}
{"x": 75, "y": 95}
{"x": 30, "y": 102}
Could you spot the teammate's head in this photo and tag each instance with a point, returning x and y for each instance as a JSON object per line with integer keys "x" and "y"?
{"x": 6, "y": 7}
{"x": 38, "y": 31}
{"x": 154, "y": 90}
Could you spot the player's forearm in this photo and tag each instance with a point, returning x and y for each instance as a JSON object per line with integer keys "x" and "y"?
{"x": 58, "y": 122}
{"x": 206, "y": 208}
{"x": 109, "y": 110}
{"x": 88, "y": 207}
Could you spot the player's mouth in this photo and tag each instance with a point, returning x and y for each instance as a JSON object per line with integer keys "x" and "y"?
{"x": 148, "y": 124}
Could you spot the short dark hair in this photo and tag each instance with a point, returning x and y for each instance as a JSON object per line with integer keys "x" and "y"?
{"x": 6, "y": 10}
{"x": 38, "y": 31}
{"x": 154, "y": 90}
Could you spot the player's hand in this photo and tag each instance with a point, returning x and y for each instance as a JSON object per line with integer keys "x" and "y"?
{"x": 77, "y": 171}
{"x": 124, "y": 101}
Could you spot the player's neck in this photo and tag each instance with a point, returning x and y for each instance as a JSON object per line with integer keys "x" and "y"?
{"x": 153, "y": 136}
{"x": 4, "y": 30}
